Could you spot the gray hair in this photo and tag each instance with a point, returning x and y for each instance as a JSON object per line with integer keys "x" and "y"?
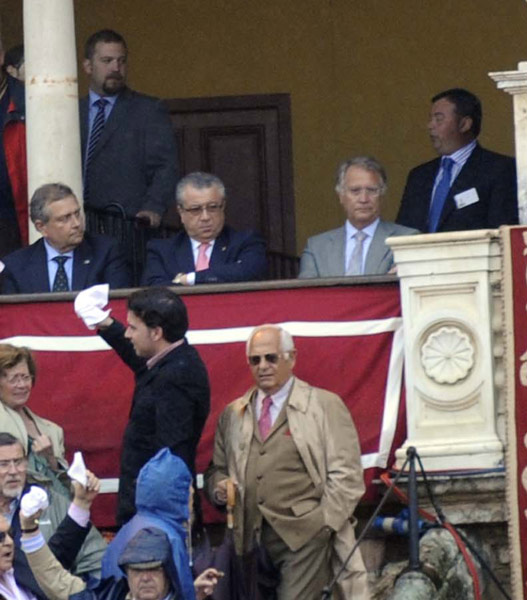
{"x": 286, "y": 339}
{"x": 44, "y": 196}
{"x": 364, "y": 162}
{"x": 201, "y": 181}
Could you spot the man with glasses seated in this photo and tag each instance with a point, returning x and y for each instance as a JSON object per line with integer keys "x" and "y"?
{"x": 207, "y": 251}
{"x": 357, "y": 248}
{"x": 66, "y": 522}
{"x": 293, "y": 453}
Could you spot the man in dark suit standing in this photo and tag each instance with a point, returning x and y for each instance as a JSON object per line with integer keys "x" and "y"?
{"x": 172, "y": 396}
{"x": 65, "y": 258}
{"x": 468, "y": 187}
{"x": 128, "y": 145}
{"x": 207, "y": 251}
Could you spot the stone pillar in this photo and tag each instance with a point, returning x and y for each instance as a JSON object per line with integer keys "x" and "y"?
{"x": 515, "y": 83}
{"x": 451, "y": 305}
{"x": 52, "y": 108}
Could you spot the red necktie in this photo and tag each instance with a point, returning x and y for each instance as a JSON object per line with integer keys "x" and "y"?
{"x": 264, "y": 422}
{"x": 203, "y": 260}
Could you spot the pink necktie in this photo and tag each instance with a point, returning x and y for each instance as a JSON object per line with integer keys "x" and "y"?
{"x": 264, "y": 422}
{"x": 203, "y": 260}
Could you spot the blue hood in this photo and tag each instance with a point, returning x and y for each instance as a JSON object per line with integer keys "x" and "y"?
{"x": 162, "y": 495}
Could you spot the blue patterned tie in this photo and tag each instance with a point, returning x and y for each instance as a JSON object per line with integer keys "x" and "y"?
{"x": 95, "y": 136}
{"x": 60, "y": 284}
{"x": 440, "y": 194}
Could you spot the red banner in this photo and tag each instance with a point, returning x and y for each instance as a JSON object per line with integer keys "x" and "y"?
{"x": 349, "y": 340}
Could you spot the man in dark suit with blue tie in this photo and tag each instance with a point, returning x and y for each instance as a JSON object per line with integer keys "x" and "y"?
{"x": 128, "y": 144}
{"x": 207, "y": 251}
{"x": 65, "y": 258}
{"x": 468, "y": 187}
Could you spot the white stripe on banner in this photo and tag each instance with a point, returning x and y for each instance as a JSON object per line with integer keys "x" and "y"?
{"x": 228, "y": 335}
{"x": 240, "y": 334}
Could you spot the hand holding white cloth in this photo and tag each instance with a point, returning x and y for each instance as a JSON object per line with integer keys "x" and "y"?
{"x": 77, "y": 471}
{"x": 89, "y": 305}
{"x": 34, "y": 501}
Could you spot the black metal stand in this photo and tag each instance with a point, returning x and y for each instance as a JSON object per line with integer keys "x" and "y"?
{"x": 326, "y": 592}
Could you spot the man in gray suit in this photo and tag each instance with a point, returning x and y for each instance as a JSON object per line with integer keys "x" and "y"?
{"x": 357, "y": 248}
{"x": 128, "y": 144}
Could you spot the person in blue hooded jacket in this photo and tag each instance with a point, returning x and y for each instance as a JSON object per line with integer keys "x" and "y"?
{"x": 147, "y": 558}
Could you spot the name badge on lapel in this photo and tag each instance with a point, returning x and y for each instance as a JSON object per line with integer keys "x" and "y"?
{"x": 466, "y": 198}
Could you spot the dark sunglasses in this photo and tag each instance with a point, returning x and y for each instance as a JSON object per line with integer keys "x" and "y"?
{"x": 3, "y": 535}
{"x": 271, "y": 358}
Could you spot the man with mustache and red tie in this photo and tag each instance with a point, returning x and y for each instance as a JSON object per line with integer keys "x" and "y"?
{"x": 293, "y": 453}
{"x": 128, "y": 144}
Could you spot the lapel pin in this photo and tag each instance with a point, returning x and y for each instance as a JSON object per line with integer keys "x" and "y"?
{"x": 224, "y": 248}
{"x": 86, "y": 262}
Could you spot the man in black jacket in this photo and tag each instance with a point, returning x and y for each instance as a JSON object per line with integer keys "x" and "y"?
{"x": 172, "y": 396}
{"x": 467, "y": 187}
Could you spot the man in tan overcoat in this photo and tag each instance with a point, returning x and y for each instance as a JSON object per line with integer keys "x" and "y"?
{"x": 293, "y": 453}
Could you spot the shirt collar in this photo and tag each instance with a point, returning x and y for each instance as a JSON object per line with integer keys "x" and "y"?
{"x": 369, "y": 230}
{"x": 152, "y": 361}
{"x": 280, "y": 396}
{"x": 52, "y": 252}
{"x": 461, "y": 155}
{"x": 94, "y": 97}
{"x": 196, "y": 244}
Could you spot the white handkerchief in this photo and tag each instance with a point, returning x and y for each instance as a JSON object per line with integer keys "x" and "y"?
{"x": 77, "y": 471}
{"x": 89, "y": 305}
{"x": 33, "y": 501}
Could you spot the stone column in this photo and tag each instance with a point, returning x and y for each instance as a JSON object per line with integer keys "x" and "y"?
{"x": 515, "y": 83}
{"x": 52, "y": 108}
{"x": 451, "y": 305}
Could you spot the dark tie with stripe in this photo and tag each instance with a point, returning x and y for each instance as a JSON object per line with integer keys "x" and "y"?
{"x": 95, "y": 136}
{"x": 440, "y": 194}
{"x": 60, "y": 283}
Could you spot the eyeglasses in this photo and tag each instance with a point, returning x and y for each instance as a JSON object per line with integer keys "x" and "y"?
{"x": 271, "y": 358}
{"x": 19, "y": 464}
{"x": 372, "y": 192}
{"x": 18, "y": 379}
{"x": 195, "y": 211}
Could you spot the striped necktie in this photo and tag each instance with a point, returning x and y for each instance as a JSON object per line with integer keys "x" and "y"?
{"x": 95, "y": 136}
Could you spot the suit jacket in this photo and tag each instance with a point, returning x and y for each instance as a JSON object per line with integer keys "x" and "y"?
{"x": 96, "y": 260}
{"x": 326, "y": 439}
{"x": 135, "y": 161}
{"x": 492, "y": 175}
{"x": 324, "y": 254}
{"x": 170, "y": 406}
{"x": 236, "y": 256}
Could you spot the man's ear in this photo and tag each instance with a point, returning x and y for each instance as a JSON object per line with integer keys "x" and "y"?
{"x": 465, "y": 124}
{"x": 39, "y": 225}
{"x": 86, "y": 65}
{"x": 156, "y": 333}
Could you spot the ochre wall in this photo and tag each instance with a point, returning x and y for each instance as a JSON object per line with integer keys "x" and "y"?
{"x": 360, "y": 72}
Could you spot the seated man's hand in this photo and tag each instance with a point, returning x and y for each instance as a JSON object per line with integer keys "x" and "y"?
{"x": 205, "y": 583}
{"x": 85, "y": 495}
{"x": 154, "y": 220}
